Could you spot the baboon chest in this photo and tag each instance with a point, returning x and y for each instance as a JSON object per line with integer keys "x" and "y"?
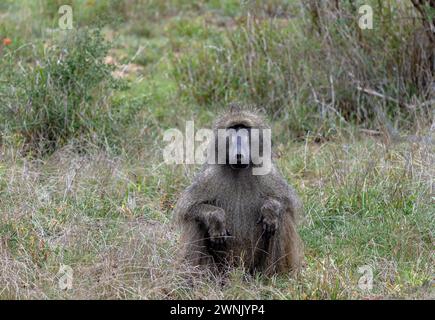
{"x": 242, "y": 203}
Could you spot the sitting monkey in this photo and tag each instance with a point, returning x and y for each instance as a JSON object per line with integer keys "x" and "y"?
{"x": 231, "y": 216}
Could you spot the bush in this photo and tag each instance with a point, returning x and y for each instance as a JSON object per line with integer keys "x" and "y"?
{"x": 62, "y": 95}
{"x": 317, "y": 67}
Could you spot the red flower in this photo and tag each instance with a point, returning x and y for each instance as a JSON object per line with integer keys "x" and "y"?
{"x": 7, "y": 41}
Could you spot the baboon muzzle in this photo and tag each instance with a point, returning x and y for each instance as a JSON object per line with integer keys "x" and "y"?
{"x": 239, "y": 144}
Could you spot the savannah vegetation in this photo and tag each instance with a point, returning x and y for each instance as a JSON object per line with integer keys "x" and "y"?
{"x": 83, "y": 112}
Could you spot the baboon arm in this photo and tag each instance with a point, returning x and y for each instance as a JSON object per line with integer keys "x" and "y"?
{"x": 272, "y": 204}
{"x": 195, "y": 205}
{"x": 281, "y": 191}
{"x": 204, "y": 213}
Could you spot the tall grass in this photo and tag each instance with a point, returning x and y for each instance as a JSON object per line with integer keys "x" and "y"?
{"x": 317, "y": 66}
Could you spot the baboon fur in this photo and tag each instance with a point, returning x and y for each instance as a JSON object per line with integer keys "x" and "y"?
{"x": 234, "y": 218}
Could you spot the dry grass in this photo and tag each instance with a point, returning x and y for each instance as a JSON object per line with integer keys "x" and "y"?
{"x": 92, "y": 213}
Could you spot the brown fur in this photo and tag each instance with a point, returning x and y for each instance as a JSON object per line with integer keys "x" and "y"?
{"x": 228, "y": 216}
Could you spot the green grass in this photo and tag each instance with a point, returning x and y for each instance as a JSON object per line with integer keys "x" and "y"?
{"x": 100, "y": 199}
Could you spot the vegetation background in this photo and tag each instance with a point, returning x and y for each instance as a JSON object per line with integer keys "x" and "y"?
{"x": 82, "y": 116}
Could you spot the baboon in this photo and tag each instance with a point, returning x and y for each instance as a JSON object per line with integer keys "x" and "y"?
{"x": 231, "y": 217}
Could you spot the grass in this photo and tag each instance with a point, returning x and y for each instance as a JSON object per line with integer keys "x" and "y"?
{"x": 100, "y": 201}
{"x": 110, "y": 220}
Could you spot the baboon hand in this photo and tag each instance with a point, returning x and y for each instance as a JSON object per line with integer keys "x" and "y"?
{"x": 269, "y": 217}
{"x": 217, "y": 231}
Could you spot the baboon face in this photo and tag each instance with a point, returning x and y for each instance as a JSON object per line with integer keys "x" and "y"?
{"x": 239, "y": 140}
{"x": 236, "y": 144}
{"x": 238, "y": 151}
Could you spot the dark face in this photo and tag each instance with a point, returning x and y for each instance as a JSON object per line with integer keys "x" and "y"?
{"x": 238, "y": 147}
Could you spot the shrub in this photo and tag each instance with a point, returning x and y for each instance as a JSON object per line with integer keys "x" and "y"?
{"x": 62, "y": 95}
